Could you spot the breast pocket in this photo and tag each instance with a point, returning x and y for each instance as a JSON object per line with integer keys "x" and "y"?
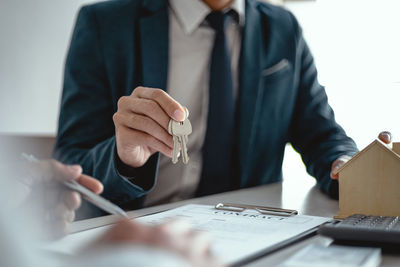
{"x": 277, "y": 69}
{"x": 277, "y": 100}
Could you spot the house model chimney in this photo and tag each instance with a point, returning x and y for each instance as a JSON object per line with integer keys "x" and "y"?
{"x": 396, "y": 147}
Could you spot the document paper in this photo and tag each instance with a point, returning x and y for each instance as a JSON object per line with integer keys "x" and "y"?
{"x": 236, "y": 235}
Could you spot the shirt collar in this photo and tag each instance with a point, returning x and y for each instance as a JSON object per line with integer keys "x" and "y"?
{"x": 191, "y": 13}
{"x": 239, "y": 6}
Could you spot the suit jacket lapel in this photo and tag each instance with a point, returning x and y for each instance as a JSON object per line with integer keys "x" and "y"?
{"x": 154, "y": 44}
{"x": 249, "y": 100}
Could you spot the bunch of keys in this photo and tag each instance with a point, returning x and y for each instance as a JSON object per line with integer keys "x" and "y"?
{"x": 180, "y": 131}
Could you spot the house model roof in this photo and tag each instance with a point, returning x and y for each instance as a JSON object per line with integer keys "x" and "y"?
{"x": 373, "y": 144}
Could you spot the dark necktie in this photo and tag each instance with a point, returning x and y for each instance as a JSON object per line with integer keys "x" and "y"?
{"x": 217, "y": 148}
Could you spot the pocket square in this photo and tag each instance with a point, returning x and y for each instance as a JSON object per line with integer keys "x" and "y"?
{"x": 278, "y": 66}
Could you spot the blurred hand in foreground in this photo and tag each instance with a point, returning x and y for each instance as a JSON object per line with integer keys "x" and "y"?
{"x": 50, "y": 203}
{"x": 175, "y": 236}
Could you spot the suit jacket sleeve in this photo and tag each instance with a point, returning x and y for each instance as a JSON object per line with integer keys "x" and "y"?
{"x": 86, "y": 133}
{"x": 314, "y": 132}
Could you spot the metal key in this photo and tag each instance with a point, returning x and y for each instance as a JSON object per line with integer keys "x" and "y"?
{"x": 176, "y": 149}
{"x": 181, "y": 130}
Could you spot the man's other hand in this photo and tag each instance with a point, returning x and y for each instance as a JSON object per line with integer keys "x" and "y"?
{"x": 141, "y": 125}
{"x": 384, "y": 136}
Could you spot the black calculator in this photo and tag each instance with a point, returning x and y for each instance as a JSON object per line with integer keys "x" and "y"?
{"x": 378, "y": 230}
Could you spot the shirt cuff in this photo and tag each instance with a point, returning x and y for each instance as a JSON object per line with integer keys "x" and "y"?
{"x": 143, "y": 178}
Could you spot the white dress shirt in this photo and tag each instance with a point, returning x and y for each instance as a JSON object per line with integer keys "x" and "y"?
{"x": 191, "y": 42}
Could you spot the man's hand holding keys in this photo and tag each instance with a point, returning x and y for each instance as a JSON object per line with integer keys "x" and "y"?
{"x": 141, "y": 125}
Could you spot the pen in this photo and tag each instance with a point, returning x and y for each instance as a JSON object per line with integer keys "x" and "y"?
{"x": 93, "y": 198}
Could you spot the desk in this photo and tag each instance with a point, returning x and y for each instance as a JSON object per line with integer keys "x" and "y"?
{"x": 313, "y": 202}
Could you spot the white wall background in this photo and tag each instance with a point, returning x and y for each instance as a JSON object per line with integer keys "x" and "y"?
{"x": 356, "y": 44}
{"x": 34, "y": 36}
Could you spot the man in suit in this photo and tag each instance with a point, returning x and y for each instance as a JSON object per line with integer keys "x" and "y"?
{"x": 241, "y": 67}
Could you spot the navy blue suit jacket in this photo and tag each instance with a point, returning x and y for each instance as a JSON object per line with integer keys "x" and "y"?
{"x": 119, "y": 45}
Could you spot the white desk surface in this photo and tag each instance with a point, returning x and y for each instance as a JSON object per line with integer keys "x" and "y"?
{"x": 313, "y": 202}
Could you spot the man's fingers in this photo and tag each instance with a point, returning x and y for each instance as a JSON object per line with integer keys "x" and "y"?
{"x": 90, "y": 183}
{"x": 166, "y": 102}
{"x": 158, "y": 145}
{"x": 334, "y": 175}
{"x": 337, "y": 164}
{"x": 147, "y": 107}
{"x": 385, "y": 137}
{"x": 144, "y": 124}
{"x": 141, "y": 124}
{"x": 145, "y": 139}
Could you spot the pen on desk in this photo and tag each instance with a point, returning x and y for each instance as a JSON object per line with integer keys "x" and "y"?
{"x": 96, "y": 200}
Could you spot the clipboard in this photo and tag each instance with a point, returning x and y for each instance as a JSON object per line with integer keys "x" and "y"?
{"x": 240, "y": 233}
{"x": 219, "y": 218}
{"x": 234, "y": 207}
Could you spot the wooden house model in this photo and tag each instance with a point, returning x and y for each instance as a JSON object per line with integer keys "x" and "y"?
{"x": 369, "y": 183}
